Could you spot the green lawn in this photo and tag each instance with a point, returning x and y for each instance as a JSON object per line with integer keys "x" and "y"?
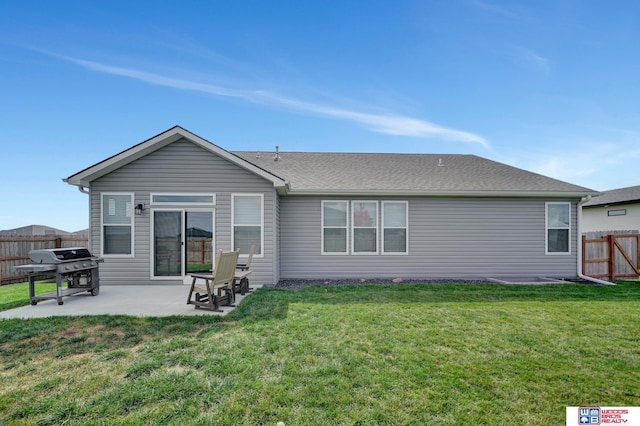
{"x": 398, "y": 355}
{"x": 14, "y": 295}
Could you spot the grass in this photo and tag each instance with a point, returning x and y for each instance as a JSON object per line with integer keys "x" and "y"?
{"x": 401, "y": 355}
{"x": 14, "y": 295}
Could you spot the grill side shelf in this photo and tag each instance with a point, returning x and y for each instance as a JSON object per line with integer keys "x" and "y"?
{"x": 36, "y": 269}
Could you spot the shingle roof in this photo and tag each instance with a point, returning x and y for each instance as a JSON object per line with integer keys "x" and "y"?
{"x": 360, "y": 173}
{"x": 316, "y": 172}
{"x": 627, "y": 195}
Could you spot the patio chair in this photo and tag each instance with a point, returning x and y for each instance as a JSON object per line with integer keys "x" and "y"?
{"x": 247, "y": 265}
{"x": 217, "y": 288}
{"x": 241, "y": 281}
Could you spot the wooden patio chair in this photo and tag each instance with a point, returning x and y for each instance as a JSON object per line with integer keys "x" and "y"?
{"x": 241, "y": 281}
{"x": 217, "y": 288}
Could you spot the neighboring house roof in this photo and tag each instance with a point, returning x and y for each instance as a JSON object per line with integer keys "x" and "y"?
{"x": 435, "y": 174}
{"x": 360, "y": 173}
{"x": 629, "y": 195}
{"x": 33, "y": 230}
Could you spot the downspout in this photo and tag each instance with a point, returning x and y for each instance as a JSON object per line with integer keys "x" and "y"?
{"x": 87, "y": 191}
{"x": 580, "y": 254}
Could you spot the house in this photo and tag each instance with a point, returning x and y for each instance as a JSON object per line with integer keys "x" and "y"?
{"x": 41, "y": 230}
{"x": 615, "y": 210}
{"x": 326, "y": 215}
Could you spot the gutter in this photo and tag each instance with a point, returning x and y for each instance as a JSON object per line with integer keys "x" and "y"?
{"x": 580, "y": 254}
{"x": 434, "y": 193}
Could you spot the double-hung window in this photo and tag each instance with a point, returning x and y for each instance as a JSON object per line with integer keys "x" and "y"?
{"x": 248, "y": 223}
{"x": 558, "y": 221}
{"x": 365, "y": 227}
{"x": 117, "y": 224}
{"x": 334, "y": 227}
{"x": 394, "y": 227}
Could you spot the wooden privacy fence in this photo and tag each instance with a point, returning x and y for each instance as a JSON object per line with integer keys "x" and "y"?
{"x": 200, "y": 251}
{"x": 611, "y": 256}
{"x": 14, "y": 251}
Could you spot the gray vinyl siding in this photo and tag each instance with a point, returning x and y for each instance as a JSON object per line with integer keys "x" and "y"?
{"x": 449, "y": 238}
{"x": 181, "y": 167}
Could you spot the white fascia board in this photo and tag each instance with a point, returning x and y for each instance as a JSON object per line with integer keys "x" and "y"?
{"x": 86, "y": 176}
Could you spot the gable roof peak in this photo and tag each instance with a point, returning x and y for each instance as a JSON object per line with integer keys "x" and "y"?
{"x": 84, "y": 177}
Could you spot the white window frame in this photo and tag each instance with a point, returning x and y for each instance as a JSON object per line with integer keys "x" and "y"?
{"x": 323, "y": 227}
{"x": 406, "y": 228}
{"x": 233, "y": 224}
{"x": 152, "y": 248}
{"x": 131, "y": 224}
{"x": 184, "y": 211}
{"x": 547, "y": 228}
{"x": 182, "y": 203}
{"x": 376, "y": 226}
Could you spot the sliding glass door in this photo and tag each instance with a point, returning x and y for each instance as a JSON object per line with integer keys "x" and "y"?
{"x": 199, "y": 241}
{"x": 182, "y": 242}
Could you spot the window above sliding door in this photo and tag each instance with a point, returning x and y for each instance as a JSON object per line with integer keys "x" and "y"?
{"x": 183, "y": 199}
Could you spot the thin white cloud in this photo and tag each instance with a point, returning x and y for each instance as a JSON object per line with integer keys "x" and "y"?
{"x": 565, "y": 167}
{"x": 388, "y": 124}
{"x": 382, "y": 123}
{"x": 537, "y": 60}
{"x": 589, "y": 164}
{"x": 500, "y": 10}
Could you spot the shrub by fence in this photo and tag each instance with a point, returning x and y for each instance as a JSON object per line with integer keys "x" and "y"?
{"x": 14, "y": 251}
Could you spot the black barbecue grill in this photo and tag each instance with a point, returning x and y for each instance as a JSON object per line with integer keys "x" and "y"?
{"x": 76, "y": 266}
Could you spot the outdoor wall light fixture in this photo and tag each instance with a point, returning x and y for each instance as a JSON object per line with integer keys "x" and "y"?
{"x": 139, "y": 209}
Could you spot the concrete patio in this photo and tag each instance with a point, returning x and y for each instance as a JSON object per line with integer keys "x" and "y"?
{"x": 141, "y": 301}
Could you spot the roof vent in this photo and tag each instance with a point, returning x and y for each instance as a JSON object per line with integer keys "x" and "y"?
{"x": 277, "y": 156}
{"x": 440, "y": 163}
{"x": 258, "y": 155}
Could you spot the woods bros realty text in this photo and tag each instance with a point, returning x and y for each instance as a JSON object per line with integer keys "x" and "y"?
{"x": 603, "y": 416}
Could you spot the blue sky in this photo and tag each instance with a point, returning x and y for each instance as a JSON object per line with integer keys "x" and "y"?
{"x": 548, "y": 86}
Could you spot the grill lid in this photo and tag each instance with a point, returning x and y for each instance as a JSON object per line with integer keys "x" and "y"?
{"x": 59, "y": 255}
